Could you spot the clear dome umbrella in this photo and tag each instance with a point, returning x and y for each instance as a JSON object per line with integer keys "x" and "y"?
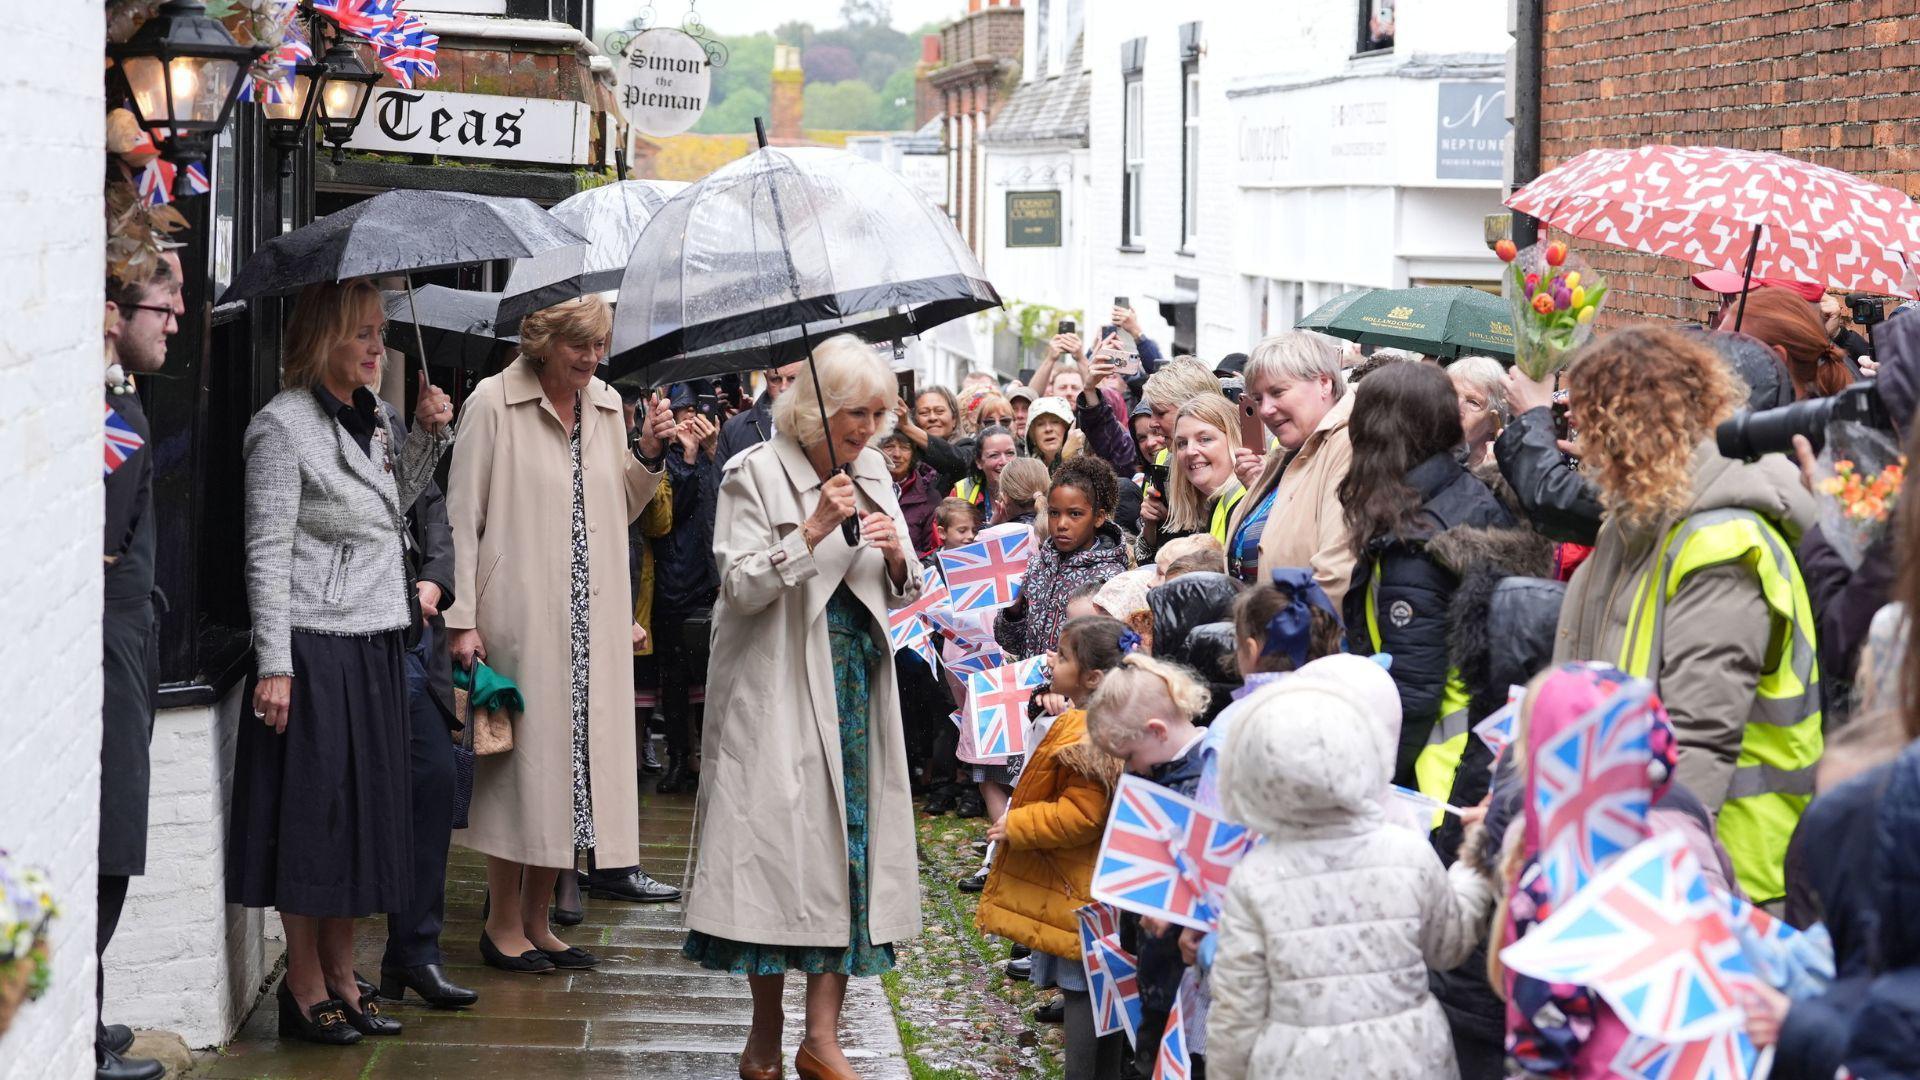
{"x": 611, "y": 217}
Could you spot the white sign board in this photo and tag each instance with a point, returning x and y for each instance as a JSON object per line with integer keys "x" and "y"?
{"x": 490, "y": 126}
{"x": 927, "y": 174}
{"x": 663, "y": 80}
{"x": 1370, "y": 131}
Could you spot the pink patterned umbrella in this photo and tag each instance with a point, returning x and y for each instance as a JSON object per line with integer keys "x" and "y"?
{"x": 1745, "y": 211}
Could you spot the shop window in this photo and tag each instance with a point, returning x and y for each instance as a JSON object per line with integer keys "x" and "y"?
{"x": 1376, "y": 26}
{"x": 1190, "y": 156}
{"x": 1133, "y": 144}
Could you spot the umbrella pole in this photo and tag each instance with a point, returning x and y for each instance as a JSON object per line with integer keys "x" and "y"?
{"x": 419, "y": 339}
{"x": 1746, "y": 279}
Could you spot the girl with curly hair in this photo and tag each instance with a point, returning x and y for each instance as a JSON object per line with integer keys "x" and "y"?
{"x": 1404, "y": 488}
{"x": 1728, "y": 636}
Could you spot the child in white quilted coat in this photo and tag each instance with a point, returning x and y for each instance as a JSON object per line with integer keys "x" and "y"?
{"x": 1331, "y": 923}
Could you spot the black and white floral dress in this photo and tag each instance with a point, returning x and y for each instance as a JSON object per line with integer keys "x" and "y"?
{"x": 579, "y": 623}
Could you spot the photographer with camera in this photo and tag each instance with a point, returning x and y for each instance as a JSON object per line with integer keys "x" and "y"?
{"x": 1792, "y": 327}
{"x": 1693, "y": 584}
{"x": 686, "y": 581}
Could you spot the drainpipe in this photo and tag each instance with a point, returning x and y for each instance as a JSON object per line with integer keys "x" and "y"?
{"x": 1528, "y": 22}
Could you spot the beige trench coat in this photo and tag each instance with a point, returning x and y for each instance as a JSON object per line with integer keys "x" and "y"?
{"x": 1307, "y": 526}
{"x": 510, "y": 499}
{"x": 771, "y": 819}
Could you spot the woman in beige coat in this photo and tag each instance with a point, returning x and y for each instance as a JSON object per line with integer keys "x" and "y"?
{"x": 542, "y": 490}
{"x": 1291, "y": 515}
{"x": 805, "y": 823}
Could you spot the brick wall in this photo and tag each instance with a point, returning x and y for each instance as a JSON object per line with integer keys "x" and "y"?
{"x": 51, "y": 272}
{"x": 1827, "y": 81}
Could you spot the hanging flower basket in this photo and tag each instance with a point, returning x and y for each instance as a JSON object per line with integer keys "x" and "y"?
{"x": 26, "y": 911}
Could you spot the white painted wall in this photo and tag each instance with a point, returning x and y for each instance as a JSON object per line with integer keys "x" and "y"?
{"x": 184, "y": 960}
{"x": 52, "y": 286}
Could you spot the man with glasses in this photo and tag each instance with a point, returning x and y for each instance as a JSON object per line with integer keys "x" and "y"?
{"x": 140, "y": 316}
{"x": 755, "y": 426}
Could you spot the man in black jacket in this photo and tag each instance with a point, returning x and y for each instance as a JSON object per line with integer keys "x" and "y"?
{"x": 140, "y": 316}
{"x": 412, "y": 958}
{"x": 755, "y": 426}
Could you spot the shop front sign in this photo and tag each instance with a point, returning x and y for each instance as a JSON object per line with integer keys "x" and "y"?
{"x": 489, "y": 126}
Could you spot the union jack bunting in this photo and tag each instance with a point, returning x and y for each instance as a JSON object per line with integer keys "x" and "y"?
{"x": 122, "y": 440}
{"x": 156, "y": 181}
{"x": 1173, "y": 1062}
{"x": 1649, "y": 936}
{"x": 1591, "y": 791}
{"x": 1165, "y": 856}
{"x": 275, "y": 87}
{"x": 1498, "y": 728}
{"x": 1113, "y": 980}
{"x": 364, "y": 18}
{"x": 987, "y": 574}
{"x": 997, "y": 706}
{"x": 1729, "y": 1055}
{"x": 908, "y": 625}
{"x": 407, "y": 51}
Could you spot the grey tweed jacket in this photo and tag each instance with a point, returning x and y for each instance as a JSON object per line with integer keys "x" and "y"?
{"x": 325, "y": 524}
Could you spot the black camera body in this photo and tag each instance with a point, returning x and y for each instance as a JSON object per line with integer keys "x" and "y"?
{"x": 1750, "y": 436}
{"x": 1866, "y": 310}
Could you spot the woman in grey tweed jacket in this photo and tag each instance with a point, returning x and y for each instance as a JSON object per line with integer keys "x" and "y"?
{"x": 321, "y": 813}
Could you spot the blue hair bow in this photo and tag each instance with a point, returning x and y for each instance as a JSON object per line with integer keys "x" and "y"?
{"x": 1290, "y": 631}
{"x": 1129, "y": 641}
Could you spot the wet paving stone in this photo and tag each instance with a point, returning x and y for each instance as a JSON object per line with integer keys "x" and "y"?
{"x": 645, "y": 1012}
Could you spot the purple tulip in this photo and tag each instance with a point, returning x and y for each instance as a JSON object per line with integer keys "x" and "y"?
{"x": 1562, "y": 296}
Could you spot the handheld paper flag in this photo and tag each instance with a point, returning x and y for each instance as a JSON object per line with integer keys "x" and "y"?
{"x": 1592, "y": 793}
{"x": 987, "y": 574}
{"x": 1113, "y": 981}
{"x": 1729, "y": 1055}
{"x": 1173, "y": 1062}
{"x": 1164, "y": 856}
{"x": 1497, "y": 729}
{"x": 997, "y": 706}
{"x": 122, "y": 440}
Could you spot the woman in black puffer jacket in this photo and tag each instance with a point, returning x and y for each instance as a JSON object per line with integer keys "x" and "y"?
{"x": 1403, "y": 489}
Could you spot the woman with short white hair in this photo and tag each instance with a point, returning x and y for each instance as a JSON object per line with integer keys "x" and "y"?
{"x": 806, "y": 858}
{"x": 1292, "y": 514}
{"x": 1480, "y": 384}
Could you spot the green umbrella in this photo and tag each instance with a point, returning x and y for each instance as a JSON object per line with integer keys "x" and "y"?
{"x": 1437, "y": 320}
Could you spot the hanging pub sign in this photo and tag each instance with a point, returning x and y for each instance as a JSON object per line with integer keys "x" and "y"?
{"x": 1033, "y": 219}
{"x": 663, "y": 81}
{"x": 490, "y": 126}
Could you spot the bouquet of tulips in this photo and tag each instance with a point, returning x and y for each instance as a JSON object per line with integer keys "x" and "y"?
{"x": 1857, "y": 478}
{"x": 1554, "y": 298}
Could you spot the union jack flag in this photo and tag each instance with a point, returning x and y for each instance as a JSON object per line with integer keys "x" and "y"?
{"x": 1651, "y": 937}
{"x": 1165, "y": 856}
{"x": 1173, "y": 1063}
{"x": 1113, "y": 979}
{"x": 1591, "y": 792}
{"x": 156, "y": 181}
{"x": 276, "y": 86}
{"x": 122, "y": 440}
{"x": 1729, "y": 1055}
{"x": 987, "y": 574}
{"x": 997, "y": 705}
{"x": 365, "y": 18}
{"x": 971, "y": 657}
{"x": 908, "y": 625}
{"x": 407, "y": 51}
{"x": 1497, "y": 730}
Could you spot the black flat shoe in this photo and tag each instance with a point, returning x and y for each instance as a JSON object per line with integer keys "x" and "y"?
{"x": 567, "y": 908}
{"x": 366, "y": 1018}
{"x": 1021, "y": 969}
{"x": 325, "y": 1024}
{"x": 970, "y": 805}
{"x": 117, "y": 1038}
{"x": 109, "y": 1065}
{"x": 572, "y": 958}
{"x": 531, "y": 962}
{"x": 1053, "y": 1012}
{"x": 365, "y": 988}
{"x": 634, "y": 886}
{"x": 973, "y": 884}
{"x": 427, "y": 980}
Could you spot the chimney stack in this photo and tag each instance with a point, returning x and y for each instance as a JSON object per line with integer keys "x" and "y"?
{"x": 789, "y": 95}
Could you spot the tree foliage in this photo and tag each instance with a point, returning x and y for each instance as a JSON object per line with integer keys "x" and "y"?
{"x": 860, "y": 76}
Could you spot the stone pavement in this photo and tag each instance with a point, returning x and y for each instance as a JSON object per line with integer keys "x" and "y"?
{"x": 644, "y": 1012}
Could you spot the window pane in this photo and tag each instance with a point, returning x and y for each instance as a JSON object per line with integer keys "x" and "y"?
{"x": 1193, "y": 97}
{"x": 225, "y": 185}
{"x": 1192, "y": 184}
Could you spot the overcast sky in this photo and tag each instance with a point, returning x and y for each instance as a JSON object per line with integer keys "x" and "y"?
{"x": 750, "y": 16}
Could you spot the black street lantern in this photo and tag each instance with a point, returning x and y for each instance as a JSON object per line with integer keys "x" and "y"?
{"x": 344, "y": 98}
{"x": 184, "y": 71}
{"x": 287, "y": 120}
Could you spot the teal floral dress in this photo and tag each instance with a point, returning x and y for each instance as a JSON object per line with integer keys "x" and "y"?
{"x": 855, "y": 655}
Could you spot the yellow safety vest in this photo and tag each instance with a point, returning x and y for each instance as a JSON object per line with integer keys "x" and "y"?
{"x": 1434, "y": 769}
{"x": 969, "y": 489}
{"x": 1223, "y": 512}
{"x": 1781, "y": 742}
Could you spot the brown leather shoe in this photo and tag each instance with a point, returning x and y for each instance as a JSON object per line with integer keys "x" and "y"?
{"x": 812, "y": 1068}
{"x": 774, "y": 1071}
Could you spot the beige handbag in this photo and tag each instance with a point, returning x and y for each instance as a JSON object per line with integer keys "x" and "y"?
{"x": 484, "y": 731}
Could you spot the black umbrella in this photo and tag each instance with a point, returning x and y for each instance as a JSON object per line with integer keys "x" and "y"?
{"x": 455, "y": 327}
{"x": 400, "y": 232}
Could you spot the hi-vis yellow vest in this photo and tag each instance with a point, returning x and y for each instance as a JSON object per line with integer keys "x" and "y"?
{"x": 969, "y": 489}
{"x": 1781, "y": 743}
{"x": 1433, "y": 770}
{"x": 1223, "y": 513}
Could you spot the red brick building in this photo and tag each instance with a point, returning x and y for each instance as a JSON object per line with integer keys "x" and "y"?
{"x": 979, "y": 68}
{"x": 1828, "y": 81}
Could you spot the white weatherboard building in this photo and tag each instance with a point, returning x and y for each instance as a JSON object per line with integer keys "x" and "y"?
{"x": 1352, "y": 145}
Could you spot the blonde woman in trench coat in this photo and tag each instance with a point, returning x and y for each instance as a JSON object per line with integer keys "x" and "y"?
{"x": 569, "y": 781}
{"x": 805, "y": 824}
